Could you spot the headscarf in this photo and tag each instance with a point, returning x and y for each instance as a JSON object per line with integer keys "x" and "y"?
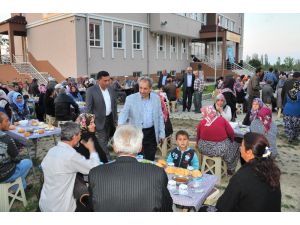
{"x": 19, "y": 105}
{"x": 229, "y": 86}
{"x": 163, "y": 105}
{"x": 209, "y": 114}
{"x": 84, "y": 120}
{"x": 3, "y": 95}
{"x": 293, "y": 93}
{"x": 253, "y": 113}
{"x": 238, "y": 85}
{"x": 42, "y": 88}
{"x": 265, "y": 116}
{"x": 74, "y": 94}
{"x": 221, "y": 97}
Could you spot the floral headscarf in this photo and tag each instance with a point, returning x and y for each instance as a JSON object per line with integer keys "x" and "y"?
{"x": 265, "y": 116}
{"x": 293, "y": 93}
{"x": 84, "y": 120}
{"x": 19, "y": 105}
{"x": 238, "y": 85}
{"x": 209, "y": 114}
{"x": 253, "y": 113}
{"x": 42, "y": 88}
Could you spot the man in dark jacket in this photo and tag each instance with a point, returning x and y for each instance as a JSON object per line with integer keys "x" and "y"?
{"x": 34, "y": 88}
{"x": 254, "y": 87}
{"x": 188, "y": 88}
{"x": 163, "y": 79}
{"x": 127, "y": 185}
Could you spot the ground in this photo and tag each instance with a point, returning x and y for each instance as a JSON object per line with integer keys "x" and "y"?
{"x": 287, "y": 160}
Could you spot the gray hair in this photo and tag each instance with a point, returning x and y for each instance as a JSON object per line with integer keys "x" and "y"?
{"x": 62, "y": 91}
{"x": 146, "y": 78}
{"x": 68, "y": 130}
{"x": 128, "y": 139}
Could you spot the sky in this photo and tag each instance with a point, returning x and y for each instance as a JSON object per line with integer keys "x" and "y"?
{"x": 277, "y": 35}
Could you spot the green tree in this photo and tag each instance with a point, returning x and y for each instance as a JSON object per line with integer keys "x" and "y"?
{"x": 278, "y": 62}
{"x": 266, "y": 61}
{"x": 255, "y": 63}
{"x": 289, "y": 63}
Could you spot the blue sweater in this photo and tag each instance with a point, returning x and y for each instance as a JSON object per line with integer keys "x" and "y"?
{"x": 292, "y": 108}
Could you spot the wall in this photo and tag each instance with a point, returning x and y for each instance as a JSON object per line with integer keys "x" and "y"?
{"x": 8, "y": 74}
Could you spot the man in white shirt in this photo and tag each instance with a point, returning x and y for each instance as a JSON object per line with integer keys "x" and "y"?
{"x": 188, "y": 80}
{"x": 60, "y": 166}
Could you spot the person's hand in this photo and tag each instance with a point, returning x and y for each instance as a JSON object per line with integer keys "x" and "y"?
{"x": 161, "y": 140}
{"x": 89, "y": 145}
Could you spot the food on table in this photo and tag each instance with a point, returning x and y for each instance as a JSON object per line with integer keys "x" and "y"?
{"x": 181, "y": 179}
{"x": 34, "y": 123}
{"x": 12, "y": 127}
{"x": 196, "y": 173}
{"x": 170, "y": 170}
{"x": 41, "y": 131}
{"x": 162, "y": 162}
{"x": 179, "y": 171}
{"x": 21, "y": 130}
{"x": 16, "y": 123}
{"x": 27, "y": 134}
{"x": 186, "y": 172}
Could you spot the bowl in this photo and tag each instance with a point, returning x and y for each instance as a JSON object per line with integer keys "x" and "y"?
{"x": 180, "y": 179}
{"x": 23, "y": 123}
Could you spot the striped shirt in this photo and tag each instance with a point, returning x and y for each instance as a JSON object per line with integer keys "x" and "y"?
{"x": 199, "y": 85}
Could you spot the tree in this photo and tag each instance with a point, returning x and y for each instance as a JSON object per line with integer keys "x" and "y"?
{"x": 262, "y": 59}
{"x": 248, "y": 58}
{"x": 266, "y": 61}
{"x": 289, "y": 63}
{"x": 255, "y": 56}
{"x": 278, "y": 62}
{"x": 255, "y": 63}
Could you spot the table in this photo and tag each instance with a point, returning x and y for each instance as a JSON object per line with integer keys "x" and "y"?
{"x": 239, "y": 130}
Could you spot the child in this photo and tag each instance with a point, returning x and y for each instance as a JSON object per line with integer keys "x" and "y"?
{"x": 183, "y": 156}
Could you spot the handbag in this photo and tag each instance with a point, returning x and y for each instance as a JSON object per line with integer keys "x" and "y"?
{"x": 80, "y": 187}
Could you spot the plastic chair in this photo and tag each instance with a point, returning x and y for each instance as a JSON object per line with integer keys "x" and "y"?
{"x": 165, "y": 146}
{"x": 239, "y": 108}
{"x": 213, "y": 197}
{"x": 173, "y": 106}
{"x": 7, "y": 197}
{"x": 214, "y": 165}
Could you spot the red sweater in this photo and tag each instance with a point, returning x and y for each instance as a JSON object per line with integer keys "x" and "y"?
{"x": 218, "y": 131}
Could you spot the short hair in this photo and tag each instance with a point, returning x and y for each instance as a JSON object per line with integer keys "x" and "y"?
{"x": 102, "y": 74}
{"x": 2, "y": 116}
{"x": 271, "y": 69}
{"x": 183, "y": 133}
{"x": 62, "y": 91}
{"x": 68, "y": 130}
{"x": 128, "y": 139}
{"x": 296, "y": 75}
{"x": 146, "y": 78}
{"x": 257, "y": 70}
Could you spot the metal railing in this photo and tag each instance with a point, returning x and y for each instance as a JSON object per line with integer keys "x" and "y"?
{"x": 5, "y": 59}
{"x": 209, "y": 61}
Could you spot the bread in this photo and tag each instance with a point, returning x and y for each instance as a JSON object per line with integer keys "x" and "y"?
{"x": 170, "y": 170}
{"x": 27, "y": 134}
{"x": 41, "y": 131}
{"x": 196, "y": 173}
{"x": 162, "y": 162}
{"x": 21, "y": 130}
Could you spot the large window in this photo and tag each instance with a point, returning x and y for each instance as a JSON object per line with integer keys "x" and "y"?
{"x": 183, "y": 45}
{"x": 161, "y": 42}
{"x": 173, "y": 44}
{"x": 95, "y": 34}
{"x": 136, "y": 39}
{"x": 118, "y": 37}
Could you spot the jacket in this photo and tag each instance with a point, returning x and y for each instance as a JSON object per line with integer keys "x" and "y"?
{"x": 254, "y": 87}
{"x": 63, "y": 104}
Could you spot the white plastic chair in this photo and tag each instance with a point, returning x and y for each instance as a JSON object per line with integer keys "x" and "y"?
{"x": 214, "y": 165}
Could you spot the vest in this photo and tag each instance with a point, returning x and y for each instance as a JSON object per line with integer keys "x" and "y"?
{"x": 184, "y": 159}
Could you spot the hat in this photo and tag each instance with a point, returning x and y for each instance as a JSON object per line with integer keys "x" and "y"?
{"x": 58, "y": 86}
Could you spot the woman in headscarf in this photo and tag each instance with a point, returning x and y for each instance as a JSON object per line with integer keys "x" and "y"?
{"x": 4, "y": 104}
{"x": 215, "y": 137}
{"x": 74, "y": 93}
{"x": 88, "y": 128}
{"x": 257, "y": 105}
{"x": 222, "y": 108}
{"x": 20, "y": 110}
{"x": 230, "y": 95}
{"x": 40, "y": 108}
{"x": 263, "y": 124}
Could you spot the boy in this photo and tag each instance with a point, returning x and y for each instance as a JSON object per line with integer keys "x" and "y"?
{"x": 183, "y": 156}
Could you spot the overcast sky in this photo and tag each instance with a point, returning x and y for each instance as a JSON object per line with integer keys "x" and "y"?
{"x": 273, "y": 34}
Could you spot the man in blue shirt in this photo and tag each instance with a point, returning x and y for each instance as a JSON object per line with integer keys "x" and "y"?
{"x": 272, "y": 77}
{"x": 188, "y": 88}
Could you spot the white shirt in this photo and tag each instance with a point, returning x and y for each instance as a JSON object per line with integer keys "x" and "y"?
{"x": 107, "y": 100}
{"x": 189, "y": 80}
{"x": 60, "y": 166}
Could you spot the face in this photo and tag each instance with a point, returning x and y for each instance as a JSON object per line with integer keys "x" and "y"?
{"x": 76, "y": 138}
{"x": 189, "y": 70}
{"x": 220, "y": 102}
{"x": 246, "y": 155}
{"x": 73, "y": 89}
{"x": 255, "y": 105}
{"x": 182, "y": 142}
{"x": 19, "y": 99}
{"x": 16, "y": 88}
{"x": 144, "y": 88}
{"x": 196, "y": 73}
{"x": 5, "y": 123}
{"x": 92, "y": 126}
{"x": 104, "y": 82}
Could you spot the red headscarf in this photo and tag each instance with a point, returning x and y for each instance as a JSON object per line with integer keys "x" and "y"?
{"x": 209, "y": 114}
{"x": 265, "y": 116}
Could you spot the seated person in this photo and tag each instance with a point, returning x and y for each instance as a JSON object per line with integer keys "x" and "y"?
{"x": 20, "y": 110}
{"x": 263, "y": 124}
{"x": 257, "y": 105}
{"x": 10, "y": 166}
{"x": 256, "y": 186}
{"x": 60, "y": 166}
{"x": 88, "y": 128}
{"x": 215, "y": 138}
{"x": 183, "y": 156}
{"x": 4, "y": 104}
{"x": 222, "y": 108}
{"x": 74, "y": 93}
{"x": 126, "y": 185}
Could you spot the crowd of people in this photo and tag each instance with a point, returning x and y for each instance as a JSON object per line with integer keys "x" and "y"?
{"x": 124, "y": 184}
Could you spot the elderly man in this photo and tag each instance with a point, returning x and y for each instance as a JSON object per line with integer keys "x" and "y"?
{"x": 144, "y": 110}
{"x": 163, "y": 79}
{"x": 127, "y": 185}
{"x": 188, "y": 88}
{"x": 60, "y": 166}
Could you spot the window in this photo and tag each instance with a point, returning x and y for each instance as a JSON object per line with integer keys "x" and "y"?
{"x": 173, "y": 72}
{"x": 136, "y": 39}
{"x": 161, "y": 42}
{"x": 137, "y": 74}
{"x": 183, "y": 45}
{"x": 95, "y": 35}
{"x": 118, "y": 37}
{"x": 173, "y": 44}
{"x": 159, "y": 73}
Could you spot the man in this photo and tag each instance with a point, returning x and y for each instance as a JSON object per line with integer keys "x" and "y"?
{"x": 163, "y": 79}
{"x": 198, "y": 90}
{"x": 10, "y": 166}
{"x": 135, "y": 84}
{"x": 267, "y": 94}
{"x": 188, "y": 88}
{"x": 101, "y": 101}
{"x": 288, "y": 85}
{"x": 60, "y": 166}
{"x": 170, "y": 90}
{"x": 34, "y": 88}
{"x": 118, "y": 89}
{"x": 254, "y": 87}
{"x": 270, "y": 76}
{"x": 144, "y": 110}
{"x": 127, "y": 185}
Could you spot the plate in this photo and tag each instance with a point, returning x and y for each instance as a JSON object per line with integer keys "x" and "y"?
{"x": 181, "y": 179}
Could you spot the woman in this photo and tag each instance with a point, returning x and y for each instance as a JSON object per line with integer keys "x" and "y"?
{"x": 40, "y": 108}
{"x": 88, "y": 128}
{"x": 222, "y": 108}
{"x": 20, "y": 110}
{"x": 49, "y": 106}
{"x": 238, "y": 88}
{"x": 256, "y": 186}
{"x": 263, "y": 124}
{"x": 4, "y": 104}
{"x": 291, "y": 111}
{"x": 282, "y": 80}
{"x": 230, "y": 95}
{"x": 74, "y": 93}
{"x": 257, "y": 105}
{"x": 215, "y": 138}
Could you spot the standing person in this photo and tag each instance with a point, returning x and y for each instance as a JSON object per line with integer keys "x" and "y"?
{"x": 163, "y": 79}
{"x": 281, "y": 82}
{"x": 101, "y": 101}
{"x": 40, "y": 107}
{"x": 267, "y": 94}
{"x": 188, "y": 88}
{"x": 254, "y": 87}
{"x": 50, "y": 107}
{"x": 126, "y": 185}
{"x": 230, "y": 95}
{"x": 144, "y": 110}
{"x": 270, "y": 76}
{"x": 170, "y": 90}
{"x": 34, "y": 88}
{"x": 198, "y": 90}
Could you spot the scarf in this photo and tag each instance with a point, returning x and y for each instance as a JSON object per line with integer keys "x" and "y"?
{"x": 84, "y": 120}
{"x": 265, "y": 116}
{"x": 20, "y": 106}
{"x": 238, "y": 86}
{"x": 228, "y": 90}
{"x": 253, "y": 113}
{"x": 209, "y": 114}
{"x": 42, "y": 89}
{"x": 163, "y": 105}
{"x": 293, "y": 93}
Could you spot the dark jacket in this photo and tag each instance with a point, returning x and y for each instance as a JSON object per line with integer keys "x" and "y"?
{"x": 180, "y": 160}
{"x": 170, "y": 90}
{"x": 246, "y": 120}
{"x": 159, "y": 85}
{"x": 254, "y": 87}
{"x": 288, "y": 85}
{"x": 49, "y": 106}
{"x": 246, "y": 192}
{"x": 184, "y": 82}
{"x": 34, "y": 89}
{"x": 63, "y": 104}
{"x": 267, "y": 94}
{"x": 127, "y": 185}
{"x": 231, "y": 101}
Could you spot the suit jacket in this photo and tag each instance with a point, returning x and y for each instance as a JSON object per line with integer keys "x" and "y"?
{"x": 95, "y": 104}
{"x": 159, "y": 85}
{"x": 184, "y": 82}
{"x": 132, "y": 113}
{"x": 127, "y": 185}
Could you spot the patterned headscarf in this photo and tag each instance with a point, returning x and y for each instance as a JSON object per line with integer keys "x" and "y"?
{"x": 19, "y": 105}
{"x": 42, "y": 88}
{"x": 238, "y": 85}
{"x": 221, "y": 97}
{"x": 209, "y": 114}
{"x": 293, "y": 93}
{"x": 265, "y": 116}
{"x": 253, "y": 113}
{"x": 163, "y": 105}
{"x": 84, "y": 120}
